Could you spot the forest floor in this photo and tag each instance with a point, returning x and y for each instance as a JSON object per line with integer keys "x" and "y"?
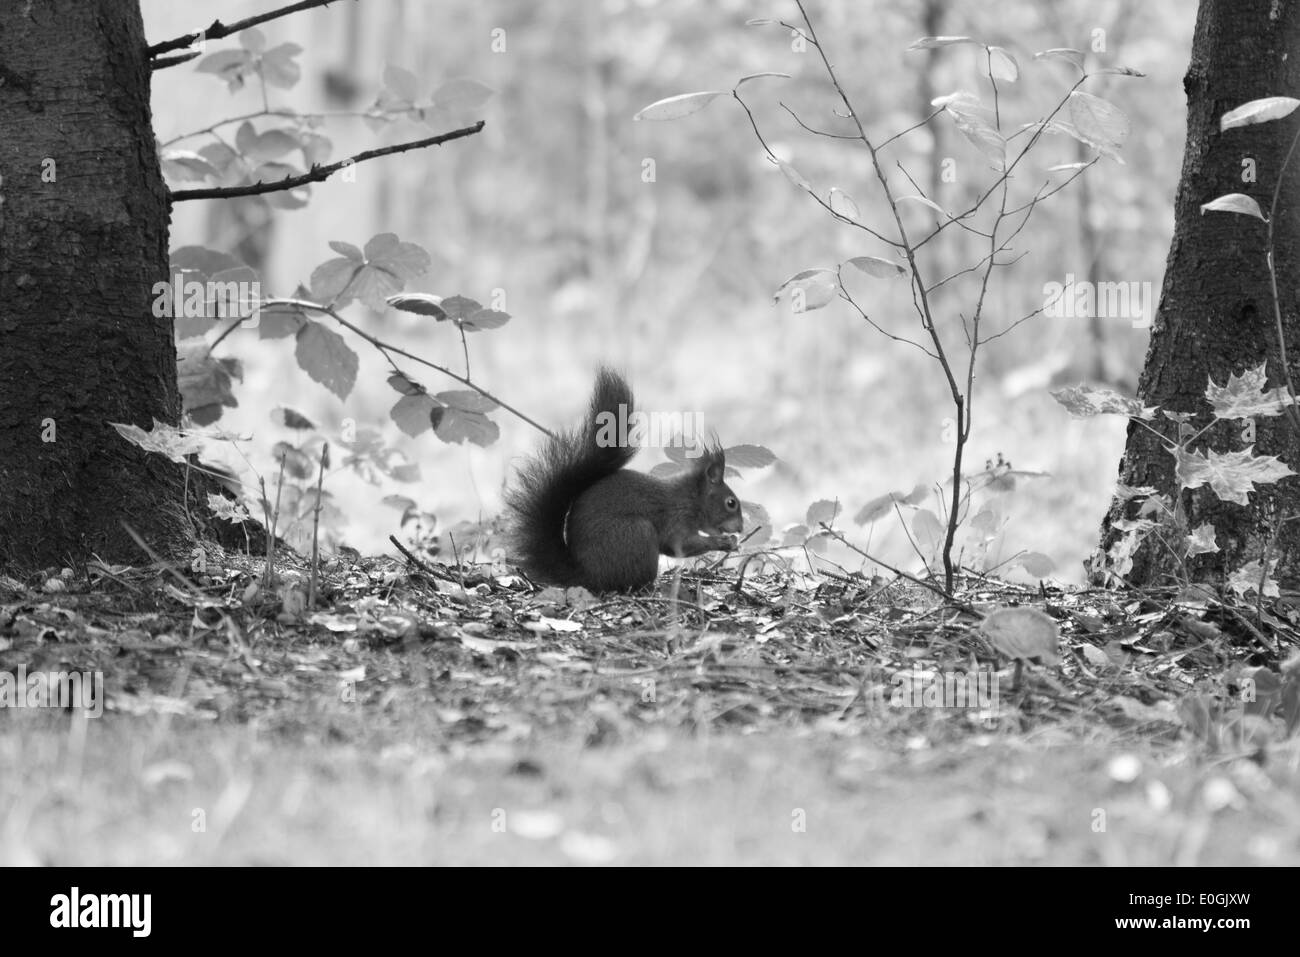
{"x": 433, "y": 720}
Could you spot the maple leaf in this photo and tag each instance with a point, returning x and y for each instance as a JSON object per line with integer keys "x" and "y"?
{"x": 1245, "y": 396}
{"x": 1247, "y": 578}
{"x": 1082, "y": 401}
{"x": 1201, "y": 541}
{"x": 1232, "y": 475}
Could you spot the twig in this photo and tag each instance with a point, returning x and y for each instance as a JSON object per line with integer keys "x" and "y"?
{"x": 219, "y": 31}
{"x": 317, "y": 173}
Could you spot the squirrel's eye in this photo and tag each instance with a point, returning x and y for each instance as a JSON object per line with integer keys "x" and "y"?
{"x": 731, "y": 503}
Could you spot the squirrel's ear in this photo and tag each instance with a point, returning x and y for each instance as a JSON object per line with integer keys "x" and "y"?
{"x": 714, "y": 465}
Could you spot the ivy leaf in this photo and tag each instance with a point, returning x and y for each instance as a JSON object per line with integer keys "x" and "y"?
{"x": 324, "y": 355}
{"x": 186, "y": 166}
{"x": 1082, "y": 401}
{"x": 1062, "y": 53}
{"x": 1245, "y": 396}
{"x": 420, "y": 303}
{"x": 1231, "y": 475}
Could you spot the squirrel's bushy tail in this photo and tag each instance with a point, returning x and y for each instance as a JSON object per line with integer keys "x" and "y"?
{"x": 567, "y": 465}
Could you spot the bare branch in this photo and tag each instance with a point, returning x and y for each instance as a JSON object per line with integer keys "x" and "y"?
{"x": 219, "y": 31}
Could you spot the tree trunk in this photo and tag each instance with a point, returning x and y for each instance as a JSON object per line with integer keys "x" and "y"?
{"x": 1216, "y": 308}
{"x": 83, "y": 240}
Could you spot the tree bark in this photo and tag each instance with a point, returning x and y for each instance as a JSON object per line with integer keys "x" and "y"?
{"x": 83, "y": 240}
{"x": 1215, "y": 316}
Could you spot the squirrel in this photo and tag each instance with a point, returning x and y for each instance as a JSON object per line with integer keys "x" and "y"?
{"x": 581, "y": 518}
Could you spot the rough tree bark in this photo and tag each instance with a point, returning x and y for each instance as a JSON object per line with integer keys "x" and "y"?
{"x": 83, "y": 239}
{"x": 1216, "y": 315}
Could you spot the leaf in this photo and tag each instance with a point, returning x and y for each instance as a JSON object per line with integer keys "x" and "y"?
{"x": 233, "y": 66}
{"x": 411, "y": 412}
{"x": 466, "y": 400}
{"x": 1002, "y": 65}
{"x": 1247, "y": 579}
{"x": 1230, "y": 475}
{"x": 1070, "y": 166}
{"x": 1062, "y": 53}
{"x": 675, "y": 107}
{"x": 462, "y": 93}
{"x": 187, "y": 166}
{"x": 1022, "y": 634}
{"x": 928, "y": 532}
{"x": 924, "y": 202}
{"x": 164, "y": 439}
{"x": 1201, "y": 541}
{"x": 884, "y": 504}
{"x": 973, "y": 120}
{"x": 822, "y": 511}
{"x": 841, "y": 203}
{"x": 1118, "y": 71}
{"x": 794, "y": 536}
{"x": 422, "y": 304}
{"x": 877, "y": 267}
{"x": 809, "y": 289}
{"x": 1234, "y": 203}
{"x": 205, "y": 382}
{"x": 455, "y": 427}
{"x": 278, "y": 66}
{"x": 750, "y": 456}
{"x": 324, "y": 355}
{"x": 931, "y": 43}
{"x": 289, "y": 419}
{"x": 347, "y": 251}
{"x": 485, "y": 319}
{"x": 1098, "y": 123}
{"x": 252, "y": 40}
{"x": 754, "y": 76}
{"x": 401, "y": 82}
{"x": 793, "y": 175}
{"x": 1245, "y": 396}
{"x": 1082, "y": 401}
{"x": 1258, "y": 111}
{"x": 1036, "y": 564}
{"x": 756, "y": 519}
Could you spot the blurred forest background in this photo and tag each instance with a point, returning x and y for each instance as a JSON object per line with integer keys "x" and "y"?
{"x": 673, "y": 280}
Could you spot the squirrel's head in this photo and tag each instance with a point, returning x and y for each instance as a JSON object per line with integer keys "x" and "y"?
{"x": 718, "y": 502}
